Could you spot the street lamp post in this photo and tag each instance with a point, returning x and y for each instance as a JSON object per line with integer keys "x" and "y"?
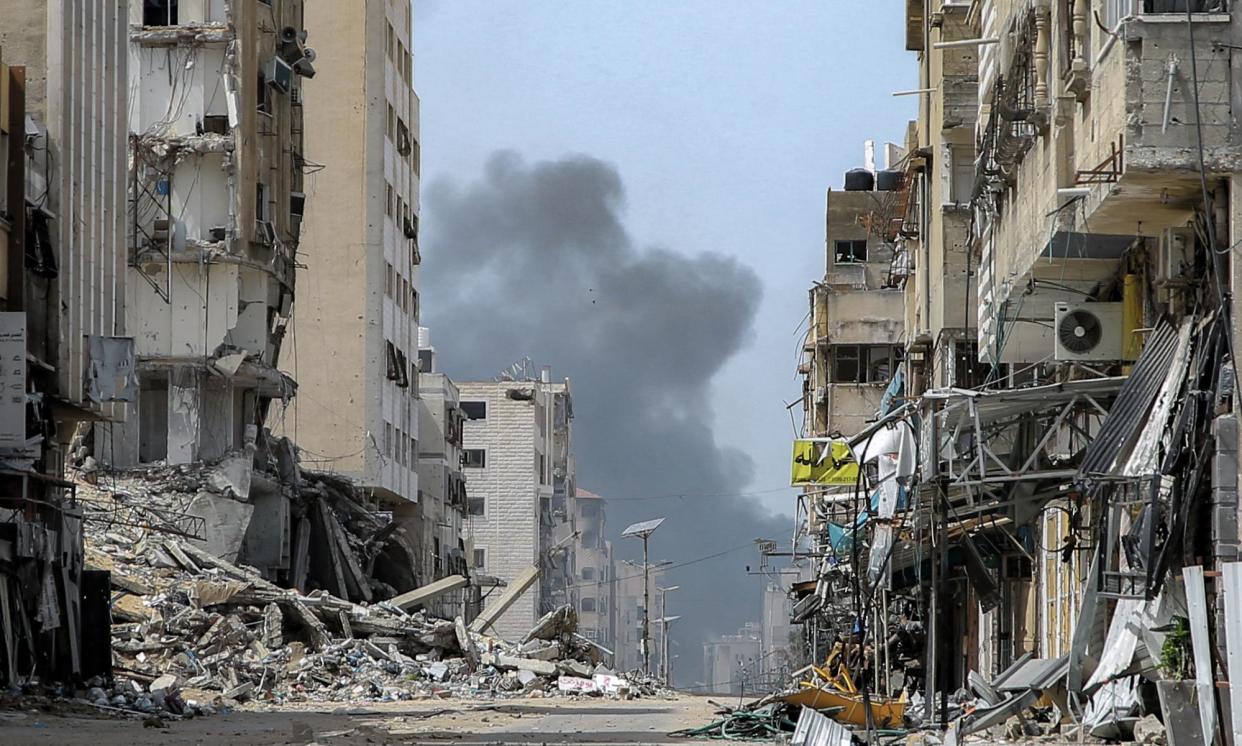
{"x": 643, "y": 531}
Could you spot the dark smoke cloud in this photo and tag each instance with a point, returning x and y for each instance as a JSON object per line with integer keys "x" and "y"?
{"x": 534, "y": 260}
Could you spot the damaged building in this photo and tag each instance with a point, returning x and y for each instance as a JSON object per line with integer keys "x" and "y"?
{"x": 214, "y": 211}
{"x": 66, "y": 359}
{"x": 1040, "y": 515}
{"x": 358, "y": 301}
{"x": 521, "y": 494}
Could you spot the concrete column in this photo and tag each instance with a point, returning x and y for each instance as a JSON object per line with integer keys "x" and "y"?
{"x": 184, "y": 415}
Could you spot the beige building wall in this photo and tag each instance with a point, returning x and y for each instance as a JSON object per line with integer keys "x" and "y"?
{"x": 355, "y": 334}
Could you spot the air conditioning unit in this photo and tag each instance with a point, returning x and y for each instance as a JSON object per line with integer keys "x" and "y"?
{"x": 1087, "y": 331}
{"x": 1176, "y": 250}
{"x": 279, "y": 75}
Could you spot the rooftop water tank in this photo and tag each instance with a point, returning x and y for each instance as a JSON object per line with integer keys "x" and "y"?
{"x": 888, "y": 181}
{"x": 859, "y": 180}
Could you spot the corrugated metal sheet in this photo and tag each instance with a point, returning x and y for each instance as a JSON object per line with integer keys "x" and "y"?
{"x": 1134, "y": 402}
{"x": 814, "y": 729}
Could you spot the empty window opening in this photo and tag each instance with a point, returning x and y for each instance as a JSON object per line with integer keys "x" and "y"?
{"x": 159, "y": 12}
{"x": 850, "y": 252}
{"x": 474, "y": 410}
{"x": 863, "y": 363}
{"x": 474, "y": 458}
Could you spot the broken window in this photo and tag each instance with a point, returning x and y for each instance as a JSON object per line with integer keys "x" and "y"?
{"x": 159, "y": 12}
{"x": 474, "y": 410}
{"x": 388, "y": 281}
{"x": 392, "y": 129}
{"x": 424, "y": 361}
{"x": 475, "y": 505}
{"x": 396, "y": 365}
{"x": 968, "y": 371}
{"x": 388, "y": 200}
{"x": 962, "y": 175}
{"x": 263, "y": 97}
{"x": 261, "y": 212}
{"x": 863, "y": 363}
{"x": 845, "y": 364}
{"x": 850, "y": 252}
{"x": 388, "y": 439}
{"x": 474, "y": 458}
{"x": 480, "y": 555}
{"x": 403, "y": 139}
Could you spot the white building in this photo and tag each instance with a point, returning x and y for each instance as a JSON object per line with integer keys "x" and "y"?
{"x": 215, "y": 208}
{"x": 520, "y": 489}
{"x": 356, "y": 329}
{"x": 440, "y": 513}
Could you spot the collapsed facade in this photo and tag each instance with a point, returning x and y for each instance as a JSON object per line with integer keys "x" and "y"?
{"x": 1046, "y": 492}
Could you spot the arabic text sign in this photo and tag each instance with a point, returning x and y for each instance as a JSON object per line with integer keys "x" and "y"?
{"x": 12, "y": 380}
{"x": 823, "y": 462}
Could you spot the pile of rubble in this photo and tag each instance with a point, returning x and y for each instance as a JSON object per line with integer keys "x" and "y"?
{"x": 193, "y": 632}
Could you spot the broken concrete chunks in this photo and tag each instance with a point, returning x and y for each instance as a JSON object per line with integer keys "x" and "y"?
{"x": 207, "y": 593}
{"x": 273, "y": 626}
{"x": 540, "y": 650}
{"x": 574, "y": 668}
{"x": 510, "y": 663}
{"x": 241, "y": 692}
{"x": 555, "y": 625}
{"x": 166, "y": 684}
{"x": 318, "y": 633}
{"x": 225, "y": 521}
{"x": 466, "y": 643}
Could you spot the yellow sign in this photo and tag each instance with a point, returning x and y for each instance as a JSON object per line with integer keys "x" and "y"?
{"x": 823, "y": 462}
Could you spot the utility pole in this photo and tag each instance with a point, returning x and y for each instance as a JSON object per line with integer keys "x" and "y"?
{"x": 665, "y": 674}
{"x": 643, "y": 531}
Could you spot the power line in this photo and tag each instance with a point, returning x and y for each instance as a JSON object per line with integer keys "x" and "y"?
{"x": 683, "y": 495}
{"x": 667, "y": 567}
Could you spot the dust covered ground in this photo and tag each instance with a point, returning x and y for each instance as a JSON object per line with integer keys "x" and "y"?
{"x": 464, "y": 722}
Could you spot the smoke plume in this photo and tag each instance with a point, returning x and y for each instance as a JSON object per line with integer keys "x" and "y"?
{"x": 535, "y": 260}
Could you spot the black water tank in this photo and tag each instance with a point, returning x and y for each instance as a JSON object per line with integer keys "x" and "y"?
{"x": 859, "y": 180}
{"x": 888, "y": 181}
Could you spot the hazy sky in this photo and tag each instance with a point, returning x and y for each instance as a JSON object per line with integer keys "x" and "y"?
{"x": 726, "y": 120}
{"x": 633, "y": 193}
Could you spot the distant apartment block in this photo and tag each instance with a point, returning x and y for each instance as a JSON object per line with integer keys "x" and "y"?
{"x": 440, "y": 513}
{"x": 520, "y": 489}
{"x": 596, "y": 586}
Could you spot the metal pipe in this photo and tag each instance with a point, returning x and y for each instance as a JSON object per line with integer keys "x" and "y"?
{"x": 964, "y": 43}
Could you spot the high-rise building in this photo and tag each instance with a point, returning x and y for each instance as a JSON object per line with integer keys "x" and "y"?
{"x": 354, "y": 343}
{"x": 215, "y": 205}
{"x": 520, "y": 489}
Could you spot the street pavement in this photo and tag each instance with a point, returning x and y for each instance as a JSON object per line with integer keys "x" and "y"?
{"x": 463, "y": 723}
